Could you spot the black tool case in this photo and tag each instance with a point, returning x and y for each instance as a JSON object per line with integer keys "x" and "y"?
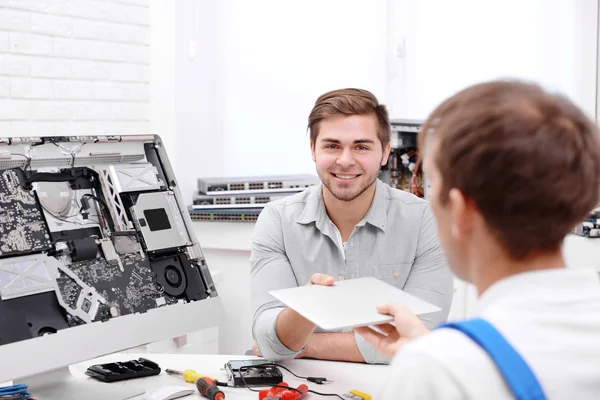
{"x": 124, "y": 370}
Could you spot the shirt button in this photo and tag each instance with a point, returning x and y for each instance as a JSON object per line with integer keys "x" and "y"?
{"x": 341, "y": 278}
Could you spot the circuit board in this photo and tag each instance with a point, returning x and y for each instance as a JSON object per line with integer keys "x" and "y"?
{"x": 23, "y": 228}
{"x": 132, "y": 291}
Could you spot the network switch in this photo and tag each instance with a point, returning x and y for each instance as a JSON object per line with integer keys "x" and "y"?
{"x": 202, "y": 201}
{"x": 255, "y": 185}
{"x": 245, "y": 215}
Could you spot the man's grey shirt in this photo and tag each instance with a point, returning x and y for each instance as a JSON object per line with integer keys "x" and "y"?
{"x": 396, "y": 242}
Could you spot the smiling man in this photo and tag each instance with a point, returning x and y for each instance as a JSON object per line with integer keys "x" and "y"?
{"x": 351, "y": 226}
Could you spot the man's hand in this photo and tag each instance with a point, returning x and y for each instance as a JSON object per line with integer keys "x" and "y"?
{"x": 391, "y": 338}
{"x": 320, "y": 279}
{"x": 292, "y": 329}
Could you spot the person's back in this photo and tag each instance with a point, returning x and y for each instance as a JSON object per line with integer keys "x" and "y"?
{"x": 554, "y": 324}
{"x": 513, "y": 169}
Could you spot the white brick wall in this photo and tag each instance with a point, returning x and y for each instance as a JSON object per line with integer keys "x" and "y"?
{"x": 74, "y": 67}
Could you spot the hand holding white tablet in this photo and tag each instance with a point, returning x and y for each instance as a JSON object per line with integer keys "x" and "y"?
{"x": 388, "y": 338}
{"x": 350, "y": 303}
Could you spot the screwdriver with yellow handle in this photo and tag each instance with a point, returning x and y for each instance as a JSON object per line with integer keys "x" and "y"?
{"x": 206, "y": 385}
{"x": 189, "y": 375}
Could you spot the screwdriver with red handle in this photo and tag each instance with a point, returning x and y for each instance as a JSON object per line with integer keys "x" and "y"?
{"x": 209, "y": 389}
{"x": 206, "y": 386}
{"x": 282, "y": 392}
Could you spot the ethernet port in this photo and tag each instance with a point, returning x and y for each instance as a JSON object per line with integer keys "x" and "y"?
{"x": 217, "y": 188}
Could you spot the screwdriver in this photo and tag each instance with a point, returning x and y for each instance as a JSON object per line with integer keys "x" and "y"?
{"x": 189, "y": 375}
{"x": 206, "y": 385}
{"x": 208, "y": 389}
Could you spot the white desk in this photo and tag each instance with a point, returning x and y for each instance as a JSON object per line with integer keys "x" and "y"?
{"x": 346, "y": 376}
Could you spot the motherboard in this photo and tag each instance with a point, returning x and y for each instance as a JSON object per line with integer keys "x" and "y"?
{"x": 22, "y": 224}
{"x": 86, "y": 238}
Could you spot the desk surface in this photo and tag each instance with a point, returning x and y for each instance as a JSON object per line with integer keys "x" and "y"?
{"x": 346, "y": 376}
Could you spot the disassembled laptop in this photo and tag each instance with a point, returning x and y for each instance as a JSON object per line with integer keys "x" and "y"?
{"x": 91, "y": 228}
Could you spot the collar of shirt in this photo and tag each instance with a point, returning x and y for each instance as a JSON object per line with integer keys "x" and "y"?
{"x": 314, "y": 210}
{"x": 525, "y": 286}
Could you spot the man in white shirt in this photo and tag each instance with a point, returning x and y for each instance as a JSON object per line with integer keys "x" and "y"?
{"x": 512, "y": 170}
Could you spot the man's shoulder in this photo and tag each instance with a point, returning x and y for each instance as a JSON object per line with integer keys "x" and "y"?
{"x": 292, "y": 206}
{"x": 443, "y": 345}
{"x": 296, "y": 199}
{"x": 452, "y": 351}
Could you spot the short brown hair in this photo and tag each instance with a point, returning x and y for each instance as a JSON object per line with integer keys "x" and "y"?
{"x": 529, "y": 160}
{"x": 349, "y": 102}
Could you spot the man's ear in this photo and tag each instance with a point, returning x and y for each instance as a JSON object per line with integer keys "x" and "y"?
{"x": 312, "y": 150}
{"x": 461, "y": 213}
{"x": 386, "y": 154}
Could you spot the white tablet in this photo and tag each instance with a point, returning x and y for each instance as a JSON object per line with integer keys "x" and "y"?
{"x": 349, "y": 303}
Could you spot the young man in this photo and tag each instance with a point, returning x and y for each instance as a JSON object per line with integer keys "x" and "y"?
{"x": 512, "y": 169}
{"x": 351, "y": 226}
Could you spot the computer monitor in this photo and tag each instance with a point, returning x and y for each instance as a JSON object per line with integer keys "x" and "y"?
{"x": 97, "y": 255}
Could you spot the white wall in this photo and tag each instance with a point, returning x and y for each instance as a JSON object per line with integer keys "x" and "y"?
{"x": 452, "y": 44}
{"x": 280, "y": 56}
{"x": 187, "y": 86}
{"x": 246, "y": 74}
{"x": 73, "y": 67}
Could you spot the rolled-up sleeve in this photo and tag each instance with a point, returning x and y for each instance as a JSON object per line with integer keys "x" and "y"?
{"x": 430, "y": 277}
{"x": 270, "y": 270}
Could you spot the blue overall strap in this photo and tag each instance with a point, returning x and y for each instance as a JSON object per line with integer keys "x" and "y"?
{"x": 518, "y": 376}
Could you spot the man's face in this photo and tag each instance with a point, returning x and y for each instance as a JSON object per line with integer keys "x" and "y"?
{"x": 452, "y": 243}
{"x": 348, "y": 154}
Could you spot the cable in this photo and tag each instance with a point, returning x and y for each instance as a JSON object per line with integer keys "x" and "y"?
{"x": 45, "y": 200}
{"x": 27, "y": 162}
{"x": 286, "y": 387}
{"x": 102, "y": 213}
{"x": 15, "y": 392}
{"x": 64, "y": 219}
{"x": 98, "y": 199}
{"x": 72, "y": 153}
{"x": 318, "y": 381}
{"x": 326, "y": 394}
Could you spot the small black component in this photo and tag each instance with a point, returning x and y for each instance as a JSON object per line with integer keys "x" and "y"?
{"x": 120, "y": 371}
{"x": 157, "y": 219}
{"x": 170, "y": 275}
{"x": 178, "y": 275}
{"x": 54, "y": 139}
{"x": 173, "y": 276}
{"x": 78, "y": 177}
{"x": 83, "y": 249}
{"x": 86, "y": 305}
{"x": 244, "y": 373}
{"x": 196, "y": 288}
{"x": 72, "y": 234}
{"x": 85, "y": 207}
{"x": 29, "y": 317}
